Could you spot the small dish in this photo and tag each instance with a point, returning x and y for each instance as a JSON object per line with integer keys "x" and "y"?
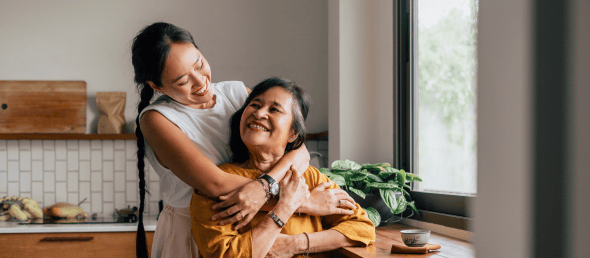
{"x": 415, "y": 237}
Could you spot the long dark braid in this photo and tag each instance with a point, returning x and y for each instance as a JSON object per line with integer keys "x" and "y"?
{"x": 141, "y": 244}
{"x": 149, "y": 53}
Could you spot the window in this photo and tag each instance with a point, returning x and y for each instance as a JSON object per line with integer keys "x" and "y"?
{"x": 436, "y": 100}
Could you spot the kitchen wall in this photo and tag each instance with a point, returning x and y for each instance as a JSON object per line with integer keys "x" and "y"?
{"x": 104, "y": 172}
{"x": 91, "y": 40}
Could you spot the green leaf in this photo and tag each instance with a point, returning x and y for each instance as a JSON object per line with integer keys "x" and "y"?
{"x": 382, "y": 185}
{"x": 373, "y": 216}
{"x": 357, "y": 177}
{"x": 385, "y": 165}
{"x": 385, "y": 174}
{"x": 406, "y": 193}
{"x": 401, "y": 177}
{"x": 411, "y": 204}
{"x": 373, "y": 178}
{"x": 407, "y": 186}
{"x": 388, "y": 196}
{"x": 345, "y": 164}
{"x": 401, "y": 205}
{"x": 411, "y": 178}
{"x": 357, "y": 192}
{"x": 338, "y": 179}
{"x": 390, "y": 169}
{"x": 324, "y": 170}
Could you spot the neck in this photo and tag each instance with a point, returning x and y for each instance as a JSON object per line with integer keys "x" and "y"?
{"x": 263, "y": 161}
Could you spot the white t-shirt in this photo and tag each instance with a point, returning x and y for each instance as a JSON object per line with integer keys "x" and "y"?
{"x": 207, "y": 128}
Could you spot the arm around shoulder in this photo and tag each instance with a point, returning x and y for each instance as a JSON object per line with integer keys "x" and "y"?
{"x": 175, "y": 151}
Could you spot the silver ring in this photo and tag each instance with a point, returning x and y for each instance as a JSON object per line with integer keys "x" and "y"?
{"x": 340, "y": 201}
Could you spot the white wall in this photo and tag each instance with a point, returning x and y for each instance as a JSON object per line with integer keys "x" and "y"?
{"x": 361, "y": 80}
{"x": 242, "y": 40}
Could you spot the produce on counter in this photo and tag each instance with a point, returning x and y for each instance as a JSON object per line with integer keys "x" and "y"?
{"x": 65, "y": 210}
{"x": 19, "y": 208}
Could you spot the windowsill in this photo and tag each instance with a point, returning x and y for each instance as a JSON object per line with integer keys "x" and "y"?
{"x": 389, "y": 234}
{"x": 65, "y": 136}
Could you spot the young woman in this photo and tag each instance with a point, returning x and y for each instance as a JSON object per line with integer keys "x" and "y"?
{"x": 184, "y": 135}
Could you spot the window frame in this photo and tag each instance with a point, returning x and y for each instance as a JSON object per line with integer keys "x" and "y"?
{"x": 445, "y": 209}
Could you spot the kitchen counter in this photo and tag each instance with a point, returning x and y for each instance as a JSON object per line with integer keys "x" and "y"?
{"x": 8, "y": 227}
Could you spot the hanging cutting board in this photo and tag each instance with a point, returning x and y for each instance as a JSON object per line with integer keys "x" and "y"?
{"x": 42, "y": 107}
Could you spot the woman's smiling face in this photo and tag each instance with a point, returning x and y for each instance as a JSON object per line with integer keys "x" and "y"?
{"x": 267, "y": 120}
{"x": 186, "y": 76}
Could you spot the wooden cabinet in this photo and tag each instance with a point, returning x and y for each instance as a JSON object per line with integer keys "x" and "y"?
{"x": 99, "y": 244}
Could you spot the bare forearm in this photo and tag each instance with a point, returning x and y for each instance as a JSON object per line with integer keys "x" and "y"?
{"x": 328, "y": 240}
{"x": 292, "y": 158}
{"x": 267, "y": 231}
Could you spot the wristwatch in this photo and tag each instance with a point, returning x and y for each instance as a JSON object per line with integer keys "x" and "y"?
{"x": 272, "y": 184}
{"x": 276, "y": 219}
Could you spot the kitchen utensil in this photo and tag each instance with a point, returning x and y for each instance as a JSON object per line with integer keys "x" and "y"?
{"x": 43, "y": 107}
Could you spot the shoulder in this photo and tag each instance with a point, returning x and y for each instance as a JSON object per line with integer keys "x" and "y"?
{"x": 235, "y": 91}
{"x": 314, "y": 176}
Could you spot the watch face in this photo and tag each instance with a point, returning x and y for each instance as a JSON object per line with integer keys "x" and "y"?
{"x": 274, "y": 189}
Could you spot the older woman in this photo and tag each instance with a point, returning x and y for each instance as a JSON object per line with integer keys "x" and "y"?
{"x": 271, "y": 123}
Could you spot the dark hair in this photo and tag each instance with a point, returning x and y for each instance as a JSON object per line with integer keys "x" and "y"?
{"x": 149, "y": 53}
{"x": 300, "y": 107}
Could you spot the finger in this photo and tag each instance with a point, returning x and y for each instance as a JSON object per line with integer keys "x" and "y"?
{"x": 227, "y": 203}
{"x": 348, "y": 205}
{"x": 225, "y": 213}
{"x": 323, "y": 186}
{"x": 227, "y": 196}
{"x": 244, "y": 221}
{"x": 345, "y": 211}
{"x": 233, "y": 219}
{"x": 344, "y": 196}
{"x": 287, "y": 177}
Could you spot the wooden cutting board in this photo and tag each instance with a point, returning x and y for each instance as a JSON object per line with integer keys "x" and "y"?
{"x": 42, "y": 107}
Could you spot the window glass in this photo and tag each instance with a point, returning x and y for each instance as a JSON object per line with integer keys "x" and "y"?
{"x": 446, "y": 94}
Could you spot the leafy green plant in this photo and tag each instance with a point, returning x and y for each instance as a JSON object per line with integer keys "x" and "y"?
{"x": 372, "y": 179}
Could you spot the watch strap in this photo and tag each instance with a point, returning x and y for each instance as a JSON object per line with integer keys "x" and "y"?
{"x": 272, "y": 184}
{"x": 268, "y": 179}
{"x": 266, "y": 190}
{"x": 276, "y": 219}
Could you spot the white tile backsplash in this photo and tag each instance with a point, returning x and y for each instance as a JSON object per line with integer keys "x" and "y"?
{"x": 37, "y": 169}
{"x": 73, "y": 160}
{"x": 96, "y": 203}
{"x": 52, "y": 171}
{"x": 108, "y": 191}
{"x": 96, "y": 181}
{"x": 3, "y": 182}
{"x": 61, "y": 193}
{"x": 107, "y": 150}
{"x": 25, "y": 181}
{"x": 49, "y": 181}
{"x": 60, "y": 170}
{"x": 3, "y": 160}
{"x": 131, "y": 170}
{"x": 13, "y": 171}
{"x": 119, "y": 160}
{"x": 13, "y": 189}
{"x": 49, "y": 160}
{"x": 96, "y": 160}
{"x": 25, "y": 160}
{"x": 120, "y": 181}
{"x": 12, "y": 149}
{"x": 73, "y": 181}
{"x": 107, "y": 170}
{"x": 84, "y": 170}
{"x": 24, "y": 144}
{"x": 60, "y": 150}
{"x": 84, "y": 148}
{"x": 37, "y": 150}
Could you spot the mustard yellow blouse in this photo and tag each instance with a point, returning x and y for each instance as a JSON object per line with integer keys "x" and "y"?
{"x": 214, "y": 240}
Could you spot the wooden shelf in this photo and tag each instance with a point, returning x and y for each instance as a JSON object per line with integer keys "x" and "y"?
{"x": 65, "y": 136}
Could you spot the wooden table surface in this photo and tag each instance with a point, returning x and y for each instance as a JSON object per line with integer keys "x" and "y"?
{"x": 389, "y": 234}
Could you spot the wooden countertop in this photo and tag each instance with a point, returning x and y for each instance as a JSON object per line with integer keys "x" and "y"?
{"x": 389, "y": 234}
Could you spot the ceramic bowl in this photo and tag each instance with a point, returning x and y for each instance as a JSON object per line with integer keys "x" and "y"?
{"x": 415, "y": 237}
